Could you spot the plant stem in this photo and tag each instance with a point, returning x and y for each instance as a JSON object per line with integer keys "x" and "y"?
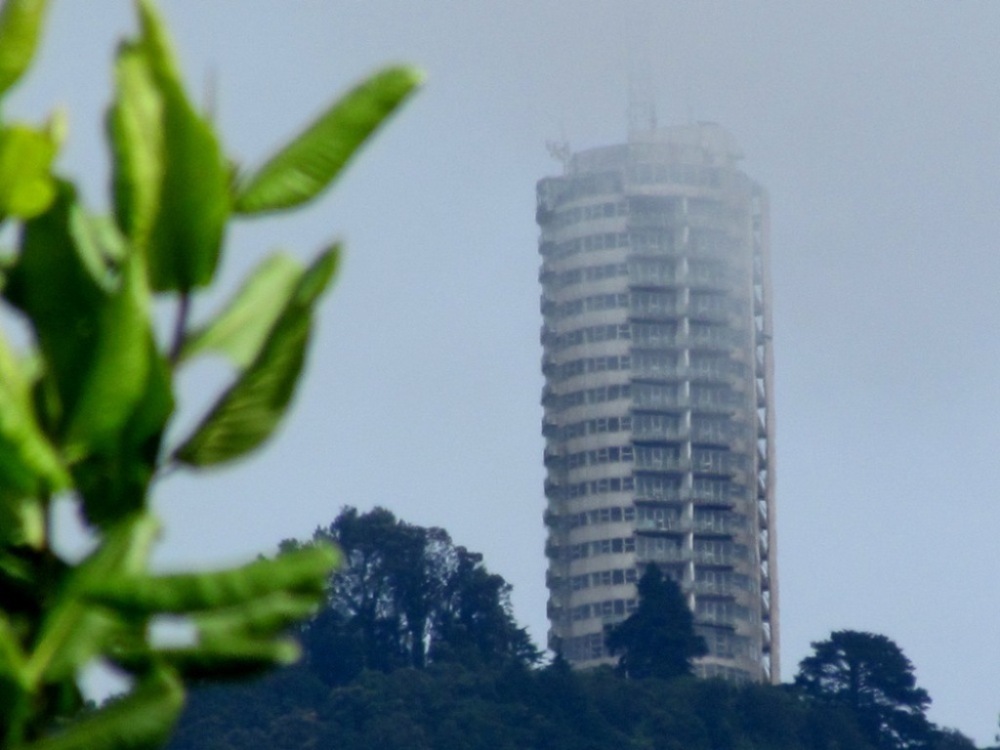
{"x": 180, "y": 326}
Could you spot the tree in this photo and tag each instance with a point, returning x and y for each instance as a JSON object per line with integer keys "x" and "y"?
{"x": 406, "y": 595}
{"x": 85, "y": 404}
{"x": 658, "y": 639}
{"x": 869, "y": 674}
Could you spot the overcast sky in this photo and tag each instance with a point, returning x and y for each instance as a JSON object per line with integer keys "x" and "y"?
{"x": 874, "y": 126}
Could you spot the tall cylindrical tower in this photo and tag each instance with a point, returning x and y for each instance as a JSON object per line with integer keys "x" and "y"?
{"x": 658, "y": 412}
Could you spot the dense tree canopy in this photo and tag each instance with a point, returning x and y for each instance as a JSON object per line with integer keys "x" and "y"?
{"x": 658, "y": 639}
{"x": 454, "y": 707}
{"x": 407, "y": 595}
{"x": 472, "y": 684}
{"x": 870, "y": 675}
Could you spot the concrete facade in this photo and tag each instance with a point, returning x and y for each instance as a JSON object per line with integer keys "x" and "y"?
{"x": 658, "y": 406}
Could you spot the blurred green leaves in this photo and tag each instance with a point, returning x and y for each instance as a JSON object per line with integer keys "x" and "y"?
{"x": 88, "y": 393}
{"x": 26, "y": 185}
{"x": 20, "y": 26}
{"x": 307, "y": 165}
{"x": 249, "y": 411}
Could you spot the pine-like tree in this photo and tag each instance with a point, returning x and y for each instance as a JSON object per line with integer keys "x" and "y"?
{"x": 658, "y": 639}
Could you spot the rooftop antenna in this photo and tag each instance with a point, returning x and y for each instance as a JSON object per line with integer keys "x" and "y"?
{"x": 641, "y": 103}
{"x": 560, "y": 150}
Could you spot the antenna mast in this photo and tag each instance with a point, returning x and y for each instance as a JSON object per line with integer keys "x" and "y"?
{"x": 641, "y": 103}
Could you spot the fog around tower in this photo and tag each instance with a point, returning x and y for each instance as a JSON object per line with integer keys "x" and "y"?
{"x": 874, "y": 128}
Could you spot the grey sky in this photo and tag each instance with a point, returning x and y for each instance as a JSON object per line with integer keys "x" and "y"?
{"x": 873, "y": 125}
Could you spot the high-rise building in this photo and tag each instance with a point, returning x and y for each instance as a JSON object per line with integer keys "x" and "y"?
{"x": 658, "y": 407}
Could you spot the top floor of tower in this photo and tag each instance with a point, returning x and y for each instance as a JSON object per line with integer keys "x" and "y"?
{"x": 693, "y": 160}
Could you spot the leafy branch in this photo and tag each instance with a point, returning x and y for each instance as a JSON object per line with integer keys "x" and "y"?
{"x": 84, "y": 407}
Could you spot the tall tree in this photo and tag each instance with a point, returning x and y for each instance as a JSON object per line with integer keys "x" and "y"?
{"x": 869, "y": 674}
{"x": 407, "y": 594}
{"x": 658, "y": 639}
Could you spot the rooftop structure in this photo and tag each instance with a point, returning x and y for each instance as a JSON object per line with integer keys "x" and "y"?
{"x": 658, "y": 407}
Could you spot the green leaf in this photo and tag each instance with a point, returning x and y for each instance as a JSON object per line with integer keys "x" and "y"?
{"x": 142, "y": 719}
{"x": 193, "y": 200}
{"x": 12, "y": 658}
{"x": 303, "y": 573}
{"x": 116, "y": 381}
{"x": 311, "y": 161}
{"x": 135, "y": 128}
{"x": 234, "y": 658}
{"x": 29, "y": 464}
{"x": 90, "y": 312}
{"x": 76, "y": 629}
{"x": 115, "y": 481}
{"x": 27, "y": 187}
{"x": 263, "y": 616}
{"x": 22, "y": 521}
{"x": 241, "y": 329}
{"x": 20, "y": 27}
{"x": 250, "y": 410}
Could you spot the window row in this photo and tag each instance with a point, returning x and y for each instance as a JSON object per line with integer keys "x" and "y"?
{"x": 714, "y": 242}
{"x": 708, "y": 271}
{"x": 666, "y": 395}
{"x": 569, "y": 216}
{"x": 608, "y": 608}
{"x": 554, "y": 491}
{"x": 660, "y": 548}
{"x": 715, "y": 459}
{"x": 705, "y": 520}
{"x": 588, "y": 335}
{"x": 704, "y": 552}
{"x": 699, "y": 242}
{"x": 673, "y": 174}
{"x": 555, "y": 191}
{"x": 657, "y": 334}
{"x": 554, "y": 280}
{"x": 667, "y": 363}
{"x": 585, "y": 365}
{"x": 716, "y": 580}
{"x": 599, "y": 395}
{"x": 720, "y": 611}
{"x": 722, "y": 551}
{"x": 583, "y": 550}
{"x": 645, "y": 425}
{"x": 580, "y": 305}
{"x": 597, "y": 426}
{"x": 657, "y": 304}
{"x": 708, "y": 488}
{"x": 656, "y": 425}
{"x": 609, "y": 455}
{"x": 658, "y": 487}
{"x": 613, "y": 514}
{"x": 717, "y": 303}
{"x": 603, "y": 578}
{"x": 660, "y": 457}
{"x": 586, "y": 244}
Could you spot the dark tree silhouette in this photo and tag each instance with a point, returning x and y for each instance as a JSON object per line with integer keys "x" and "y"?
{"x": 869, "y": 674}
{"x": 658, "y": 639}
{"x": 405, "y": 595}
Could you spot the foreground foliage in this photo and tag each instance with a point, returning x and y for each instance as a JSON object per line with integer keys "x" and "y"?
{"x": 85, "y": 405}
